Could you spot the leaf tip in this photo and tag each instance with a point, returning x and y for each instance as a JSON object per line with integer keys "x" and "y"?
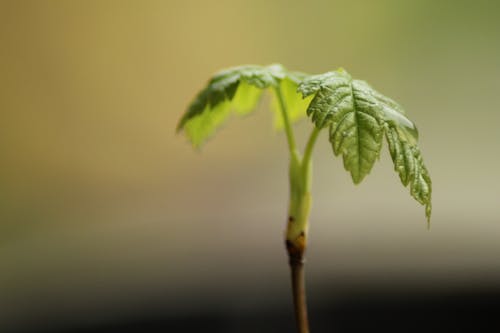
{"x": 357, "y": 178}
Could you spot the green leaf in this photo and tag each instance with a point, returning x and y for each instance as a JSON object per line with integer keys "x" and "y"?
{"x": 295, "y": 104}
{"x": 237, "y": 89}
{"x": 354, "y": 121}
{"x": 409, "y": 164}
{"x": 358, "y": 117}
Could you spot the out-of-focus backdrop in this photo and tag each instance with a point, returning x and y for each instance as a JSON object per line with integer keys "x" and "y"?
{"x": 110, "y": 219}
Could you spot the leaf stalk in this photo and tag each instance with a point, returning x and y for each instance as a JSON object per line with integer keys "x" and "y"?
{"x": 286, "y": 120}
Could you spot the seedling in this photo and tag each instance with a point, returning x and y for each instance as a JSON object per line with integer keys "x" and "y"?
{"x": 355, "y": 116}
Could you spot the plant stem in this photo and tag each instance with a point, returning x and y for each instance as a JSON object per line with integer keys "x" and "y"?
{"x": 299, "y": 294}
{"x": 297, "y": 228}
{"x": 286, "y": 121}
{"x": 306, "y": 160}
{"x": 298, "y": 214}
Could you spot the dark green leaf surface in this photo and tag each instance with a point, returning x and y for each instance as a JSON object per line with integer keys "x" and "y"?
{"x": 358, "y": 117}
{"x": 409, "y": 165}
{"x": 355, "y": 125}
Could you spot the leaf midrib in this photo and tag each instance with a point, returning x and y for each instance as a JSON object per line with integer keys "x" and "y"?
{"x": 355, "y": 110}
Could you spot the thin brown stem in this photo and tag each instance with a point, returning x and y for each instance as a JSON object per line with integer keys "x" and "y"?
{"x": 298, "y": 289}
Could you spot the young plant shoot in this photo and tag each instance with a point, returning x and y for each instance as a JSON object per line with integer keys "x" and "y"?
{"x": 355, "y": 116}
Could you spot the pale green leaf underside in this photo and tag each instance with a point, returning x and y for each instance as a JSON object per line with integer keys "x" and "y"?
{"x": 357, "y": 117}
{"x": 238, "y": 90}
{"x": 295, "y": 104}
{"x": 202, "y": 126}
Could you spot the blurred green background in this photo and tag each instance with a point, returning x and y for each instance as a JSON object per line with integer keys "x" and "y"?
{"x": 104, "y": 209}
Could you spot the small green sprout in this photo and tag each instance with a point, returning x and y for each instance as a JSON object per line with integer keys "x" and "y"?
{"x": 355, "y": 116}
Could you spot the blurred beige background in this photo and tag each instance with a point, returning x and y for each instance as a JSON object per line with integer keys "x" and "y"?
{"x": 103, "y": 206}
